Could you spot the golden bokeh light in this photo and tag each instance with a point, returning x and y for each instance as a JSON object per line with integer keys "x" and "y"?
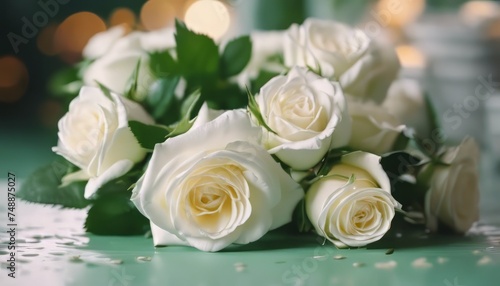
{"x": 476, "y": 12}
{"x": 14, "y": 79}
{"x": 157, "y": 14}
{"x": 74, "y": 32}
{"x": 122, "y": 16}
{"x": 493, "y": 29}
{"x": 209, "y": 17}
{"x": 397, "y": 13}
{"x": 45, "y": 40}
{"x": 410, "y": 56}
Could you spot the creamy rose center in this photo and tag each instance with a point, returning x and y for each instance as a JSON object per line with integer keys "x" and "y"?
{"x": 296, "y": 109}
{"x": 88, "y": 124}
{"x": 216, "y": 193}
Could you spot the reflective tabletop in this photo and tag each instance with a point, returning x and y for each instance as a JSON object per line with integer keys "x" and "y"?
{"x": 52, "y": 248}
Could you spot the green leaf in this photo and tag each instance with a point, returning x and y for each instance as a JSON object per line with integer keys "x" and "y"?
{"x": 253, "y": 107}
{"x": 300, "y": 218}
{"x": 148, "y": 135}
{"x": 132, "y": 82}
{"x": 162, "y": 64}
{"x": 65, "y": 83}
{"x": 197, "y": 55}
{"x": 331, "y": 158}
{"x": 263, "y": 77}
{"x": 122, "y": 184}
{"x": 401, "y": 141}
{"x": 186, "y": 122}
{"x": 115, "y": 214}
{"x": 406, "y": 193}
{"x": 236, "y": 56}
{"x": 432, "y": 113}
{"x": 398, "y": 163}
{"x": 43, "y": 186}
{"x": 161, "y": 95}
{"x": 105, "y": 90}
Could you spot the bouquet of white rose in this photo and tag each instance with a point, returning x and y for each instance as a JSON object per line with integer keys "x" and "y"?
{"x": 211, "y": 144}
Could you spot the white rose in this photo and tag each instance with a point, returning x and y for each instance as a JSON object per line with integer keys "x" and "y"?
{"x": 453, "y": 195}
{"x": 374, "y": 130}
{"x": 406, "y": 101}
{"x": 264, "y": 46}
{"x": 115, "y": 67}
{"x": 214, "y": 186}
{"x": 101, "y": 42}
{"x": 365, "y": 68}
{"x": 308, "y": 114}
{"x": 352, "y": 212}
{"x": 94, "y": 135}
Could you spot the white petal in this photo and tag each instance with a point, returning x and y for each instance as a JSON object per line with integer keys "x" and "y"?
{"x": 162, "y": 237}
{"x": 116, "y": 170}
{"x": 102, "y": 42}
{"x": 80, "y": 175}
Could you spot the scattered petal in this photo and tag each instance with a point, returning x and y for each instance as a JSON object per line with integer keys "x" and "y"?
{"x": 442, "y": 260}
{"x": 358, "y": 264}
{"x": 421, "y": 263}
{"x": 143, "y": 258}
{"x": 339, "y": 257}
{"x": 116, "y": 261}
{"x": 240, "y": 266}
{"x": 386, "y": 265}
{"x": 389, "y": 251}
{"x": 484, "y": 260}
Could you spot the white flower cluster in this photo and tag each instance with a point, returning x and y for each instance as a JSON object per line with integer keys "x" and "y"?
{"x": 227, "y": 180}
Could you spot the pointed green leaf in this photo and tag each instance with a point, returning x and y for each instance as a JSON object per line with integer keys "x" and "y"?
{"x": 162, "y": 64}
{"x": 105, "y": 90}
{"x": 197, "y": 55}
{"x": 253, "y": 107}
{"x": 132, "y": 82}
{"x": 121, "y": 184}
{"x": 186, "y": 122}
{"x": 148, "y": 135}
{"x": 235, "y": 56}
{"x": 262, "y": 79}
{"x": 65, "y": 83}
{"x": 161, "y": 95}
{"x": 44, "y": 187}
{"x": 115, "y": 214}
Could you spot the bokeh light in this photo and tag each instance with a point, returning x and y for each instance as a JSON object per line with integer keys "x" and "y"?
{"x": 493, "y": 28}
{"x": 398, "y": 13}
{"x": 45, "y": 40}
{"x": 209, "y": 17}
{"x": 157, "y": 14}
{"x": 74, "y": 32}
{"x": 14, "y": 79}
{"x": 410, "y": 56}
{"x": 122, "y": 16}
{"x": 476, "y": 12}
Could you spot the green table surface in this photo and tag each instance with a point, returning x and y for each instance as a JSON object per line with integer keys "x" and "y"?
{"x": 53, "y": 248}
